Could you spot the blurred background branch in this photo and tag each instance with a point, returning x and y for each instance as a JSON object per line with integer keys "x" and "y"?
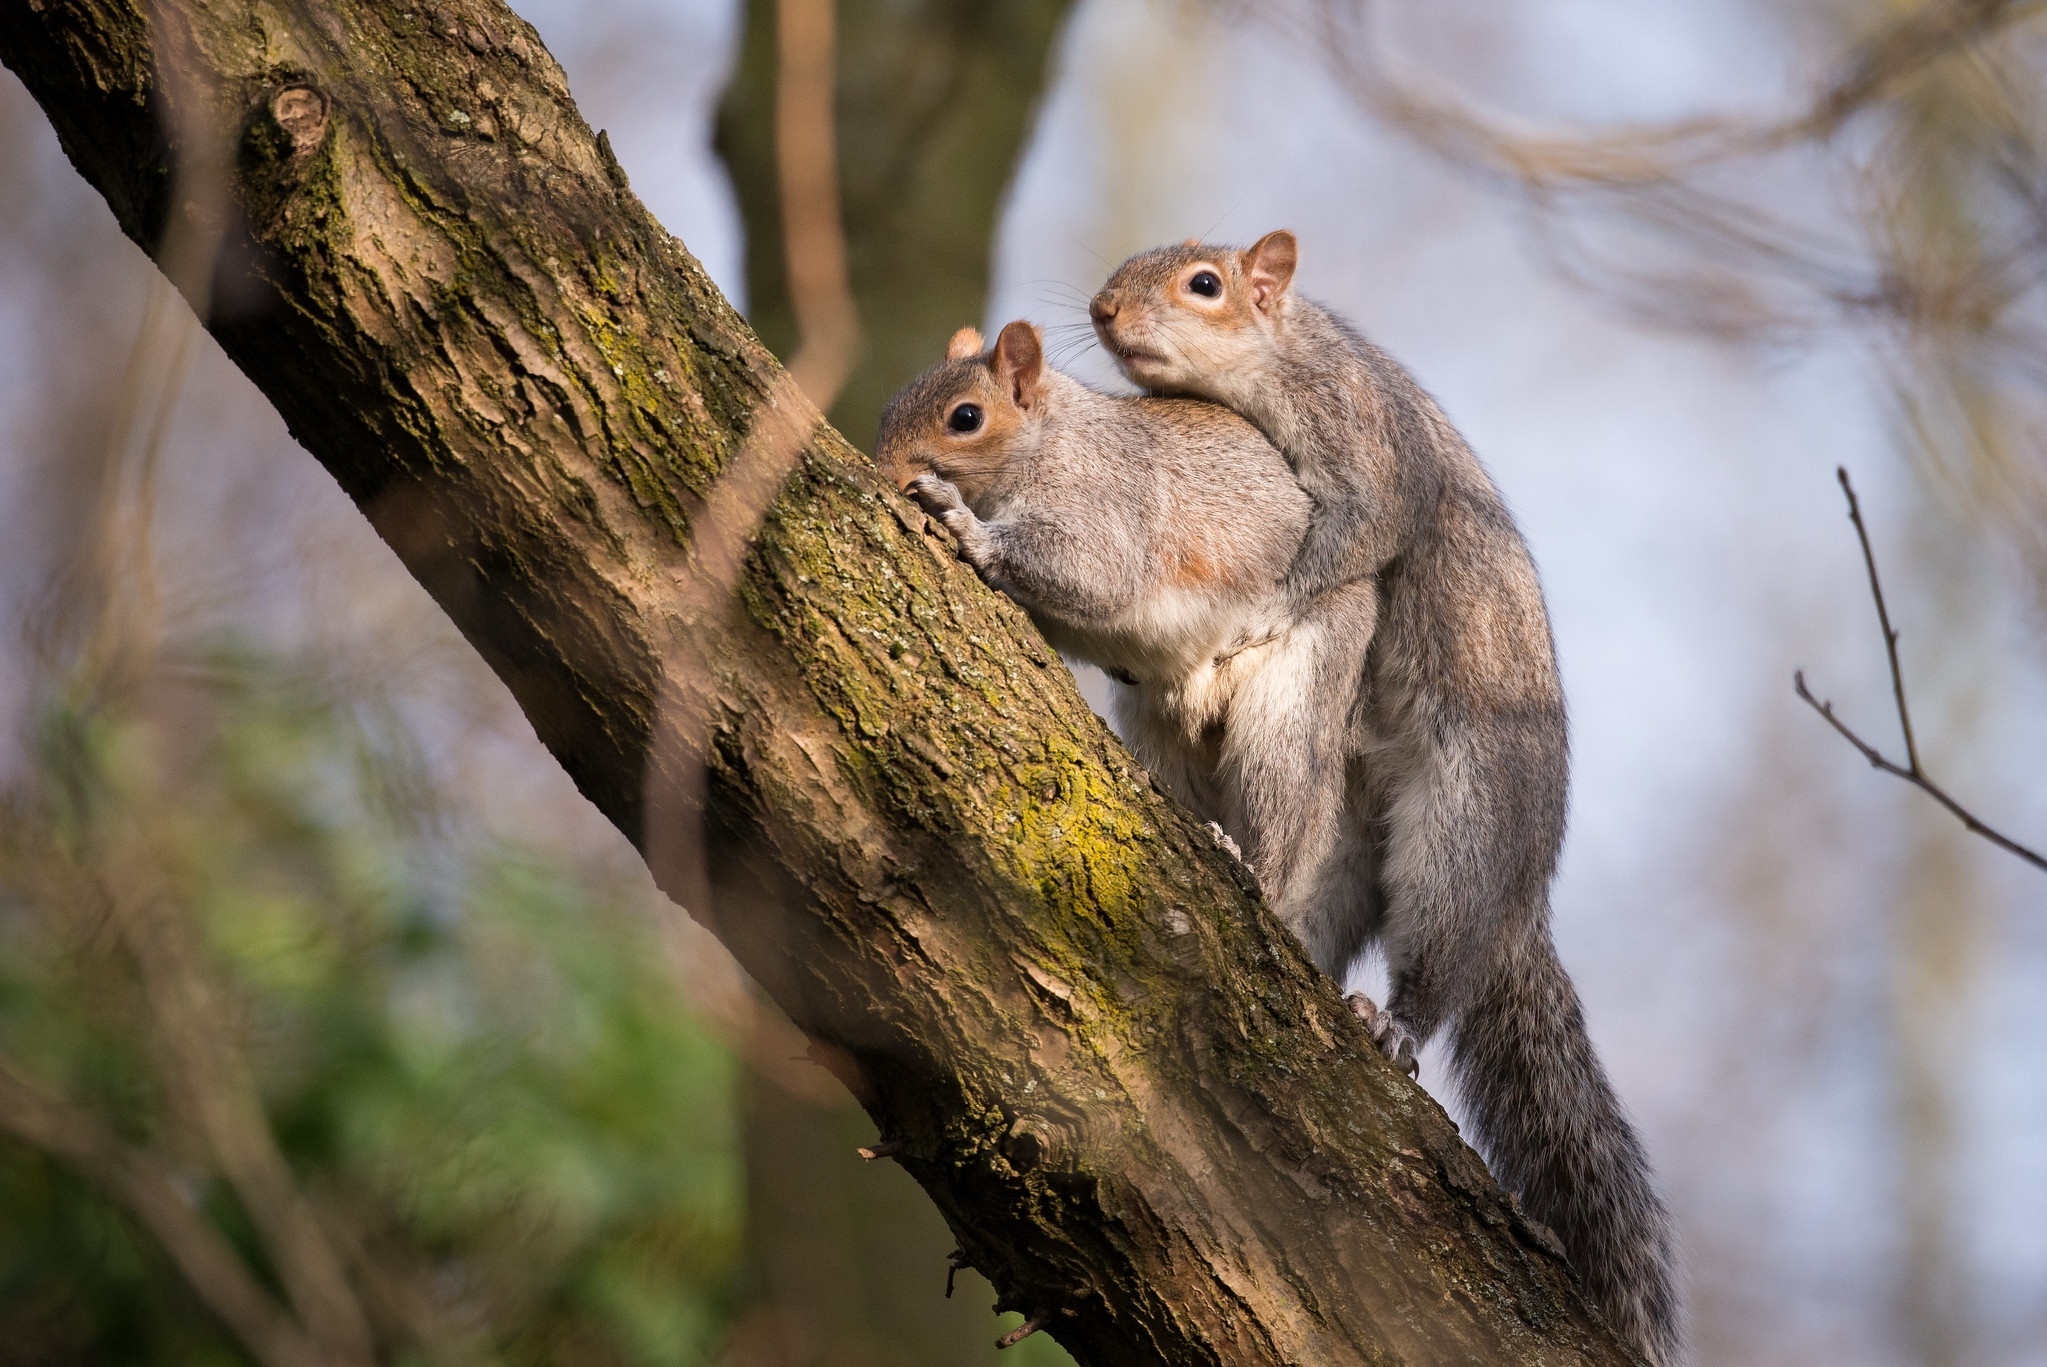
{"x": 807, "y": 175}
{"x": 296, "y": 1063}
{"x": 931, "y": 102}
{"x": 138, "y": 1181}
{"x": 1899, "y": 47}
{"x": 1919, "y": 223}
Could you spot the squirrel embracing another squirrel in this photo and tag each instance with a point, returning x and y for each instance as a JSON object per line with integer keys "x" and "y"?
{"x": 1329, "y": 639}
{"x": 1151, "y": 537}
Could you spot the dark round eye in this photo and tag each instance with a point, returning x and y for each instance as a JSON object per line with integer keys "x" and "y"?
{"x": 1205, "y": 284}
{"x": 965, "y": 418}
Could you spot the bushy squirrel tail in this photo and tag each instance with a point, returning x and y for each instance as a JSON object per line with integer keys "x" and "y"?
{"x": 1554, "y": 1133}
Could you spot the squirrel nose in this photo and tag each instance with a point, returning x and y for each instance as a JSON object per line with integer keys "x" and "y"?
{"x": 1102, "y": 307}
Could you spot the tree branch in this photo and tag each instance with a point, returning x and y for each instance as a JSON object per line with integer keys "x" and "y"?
{"x": 1911, "y": 771}
{"x": 1142, "y": 1113}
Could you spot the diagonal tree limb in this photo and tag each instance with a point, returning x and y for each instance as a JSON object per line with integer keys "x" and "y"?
{"x": 1911, "y": 770}
{"x": 1145, "y": 1117}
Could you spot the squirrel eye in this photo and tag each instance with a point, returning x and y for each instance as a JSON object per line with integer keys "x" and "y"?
{"x": 965, "y": 418}
{"x": 1205, "y": 284}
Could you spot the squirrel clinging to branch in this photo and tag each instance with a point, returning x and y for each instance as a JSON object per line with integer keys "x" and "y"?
{"x": 1462, "y": 719}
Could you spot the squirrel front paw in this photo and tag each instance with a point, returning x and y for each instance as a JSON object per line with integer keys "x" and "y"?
{"x": 939, "y": 497}
{"x": 1395, "y": 1041}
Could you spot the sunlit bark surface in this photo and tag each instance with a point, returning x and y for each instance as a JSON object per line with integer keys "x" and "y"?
{"x": 1152, "y": 1126}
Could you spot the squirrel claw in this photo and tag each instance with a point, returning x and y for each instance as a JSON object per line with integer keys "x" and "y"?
{"x": 1394, "y": 1040}
{"x": 940, "y": 498}
{"x": 936, "y": 495}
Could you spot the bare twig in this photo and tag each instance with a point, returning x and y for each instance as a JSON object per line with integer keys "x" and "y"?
{"x": 1020, "y": 1333}
{"x": 1883, "y": 616}
{"x": 954, "y": 1261}
{"x": 1911, "y": 770}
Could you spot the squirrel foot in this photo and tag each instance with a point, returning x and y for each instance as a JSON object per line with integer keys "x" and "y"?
{"x": 1222, "y": 838}
{"x": 1395, "y": 1041}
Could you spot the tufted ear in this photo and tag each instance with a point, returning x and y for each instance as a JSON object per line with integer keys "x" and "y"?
{"x": 1269, "y": 266}
{"x": 1020, "y": 362}
{"x": 966, "y": 342}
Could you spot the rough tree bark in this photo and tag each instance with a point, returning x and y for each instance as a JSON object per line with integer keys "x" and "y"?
{"x": 1150, "y": 1123}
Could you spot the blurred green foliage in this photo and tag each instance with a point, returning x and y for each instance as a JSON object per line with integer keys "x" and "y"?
{"x": 479, "y": 1071}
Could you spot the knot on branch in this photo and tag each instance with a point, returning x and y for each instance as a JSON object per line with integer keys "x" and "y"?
{"x": 300, "y": 112}
{"x": 1032, "y": 1143}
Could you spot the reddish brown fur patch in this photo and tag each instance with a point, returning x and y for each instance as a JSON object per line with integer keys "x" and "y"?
{"x": 1192, "y": 568}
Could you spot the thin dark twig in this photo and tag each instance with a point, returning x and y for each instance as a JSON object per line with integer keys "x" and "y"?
{"x": 954, "y": 1261}
{"x": 1883, "y": 617}
{"x": 1911, "y": 771}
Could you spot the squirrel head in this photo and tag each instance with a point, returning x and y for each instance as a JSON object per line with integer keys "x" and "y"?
{"x": 968, "y": 417}
{"x": 1191, "y": 319}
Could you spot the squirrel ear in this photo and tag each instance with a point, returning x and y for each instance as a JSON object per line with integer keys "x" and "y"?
{"x": 1269, "y": 265}
{"x": 966, "y": 342}
{"x": 1020, "y": 362}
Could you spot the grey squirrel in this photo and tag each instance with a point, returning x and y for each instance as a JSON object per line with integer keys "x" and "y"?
{"x": 1462, "y": 714}
{"x": 1151, "y": 537}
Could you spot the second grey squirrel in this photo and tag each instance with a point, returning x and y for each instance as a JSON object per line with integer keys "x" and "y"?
{"x": 1152, "y": 537}
{"x": 1462, "y": 716}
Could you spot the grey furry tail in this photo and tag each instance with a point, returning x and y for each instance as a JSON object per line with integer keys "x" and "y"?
{"x": 1555, "y": 1134}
